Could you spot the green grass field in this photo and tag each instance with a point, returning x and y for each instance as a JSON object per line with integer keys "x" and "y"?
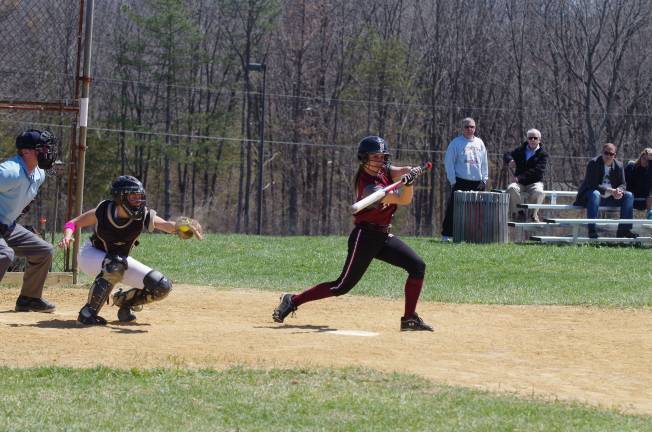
{"x": 278, "y": 400}
{"x": 344, "y": 399}
{"x": 456, "y": 273}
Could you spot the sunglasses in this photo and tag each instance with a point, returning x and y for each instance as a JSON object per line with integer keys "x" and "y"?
{"x": 469, "y": 127}
{"x": 532, "y": 138}
{"x": 606, "y": 153}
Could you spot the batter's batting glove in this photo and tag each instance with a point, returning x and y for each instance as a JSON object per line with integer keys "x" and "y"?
{"x": 409, "y": 178}
{"x": 187, "y": 227}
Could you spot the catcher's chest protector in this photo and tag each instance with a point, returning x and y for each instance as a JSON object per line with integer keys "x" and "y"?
{"x": 116, "y": 236}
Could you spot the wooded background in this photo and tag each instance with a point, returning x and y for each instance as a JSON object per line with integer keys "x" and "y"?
{"x": 173, "y": 102}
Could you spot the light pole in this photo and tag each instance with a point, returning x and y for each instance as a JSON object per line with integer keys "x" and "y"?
{"x": 260, "y": 67}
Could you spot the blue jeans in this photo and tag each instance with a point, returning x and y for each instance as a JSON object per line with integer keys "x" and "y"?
{"x": 626, "y": 204}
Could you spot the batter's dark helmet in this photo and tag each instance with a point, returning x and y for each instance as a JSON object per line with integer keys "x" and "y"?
{"x": 120, "y": 190}
{"x": 372, "y": 144}
{"x": 45, "y": 142}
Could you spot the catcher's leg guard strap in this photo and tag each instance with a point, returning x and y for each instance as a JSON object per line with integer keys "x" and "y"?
{"x": 99, "y": 292}
{"x": 156, "y": 287}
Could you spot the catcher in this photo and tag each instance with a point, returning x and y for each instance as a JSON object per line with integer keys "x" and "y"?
{"x": 118, "y": 224}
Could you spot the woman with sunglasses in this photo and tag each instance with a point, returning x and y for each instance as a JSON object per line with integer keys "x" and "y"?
{"x": 604, "y": 185}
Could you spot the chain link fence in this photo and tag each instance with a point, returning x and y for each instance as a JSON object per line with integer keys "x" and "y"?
{"x": 39, "y": 42}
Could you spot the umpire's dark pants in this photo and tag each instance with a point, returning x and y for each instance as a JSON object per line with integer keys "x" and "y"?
{"x": 38, "y": 252}
{"x": 461, "y": 185}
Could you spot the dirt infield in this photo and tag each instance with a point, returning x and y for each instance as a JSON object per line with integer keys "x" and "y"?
{"x": 598, "y": 356}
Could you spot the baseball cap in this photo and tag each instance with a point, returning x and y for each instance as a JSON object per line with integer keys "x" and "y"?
{"x": 30, "y": 139}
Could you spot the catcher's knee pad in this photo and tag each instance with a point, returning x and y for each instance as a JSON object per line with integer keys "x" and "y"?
{"x": 157, "y": 285}
{"x": 114, "y": 267}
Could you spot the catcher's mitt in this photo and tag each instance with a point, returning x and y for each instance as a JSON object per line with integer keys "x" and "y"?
{"x": 187, "y": 227}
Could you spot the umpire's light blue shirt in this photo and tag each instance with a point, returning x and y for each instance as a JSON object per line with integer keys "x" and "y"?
{"x": 17, "y": 188}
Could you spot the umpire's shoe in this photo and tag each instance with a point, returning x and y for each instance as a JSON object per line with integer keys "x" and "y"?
{"x": 414, "y": 323}
{"x": 284, "y": 308}
{"x": 31, "y": 304}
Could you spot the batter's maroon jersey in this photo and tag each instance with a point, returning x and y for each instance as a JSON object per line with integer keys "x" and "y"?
{"x": 378, "y": 213}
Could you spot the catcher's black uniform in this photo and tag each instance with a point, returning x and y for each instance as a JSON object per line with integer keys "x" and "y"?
{"x": 117, "y": 236}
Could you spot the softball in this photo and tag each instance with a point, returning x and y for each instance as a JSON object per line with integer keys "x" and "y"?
{"x": 184, "y": 228}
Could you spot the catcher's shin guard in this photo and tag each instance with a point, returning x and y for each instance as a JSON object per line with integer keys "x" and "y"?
{"x": 113, "y": 269}
{"x": 97, "y": 295}
{"x": 156, "y": 287}
{"x": 99, "y": 292}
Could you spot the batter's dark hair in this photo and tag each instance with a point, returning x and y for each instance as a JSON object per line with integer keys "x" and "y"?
{"x": 361, "y": 167}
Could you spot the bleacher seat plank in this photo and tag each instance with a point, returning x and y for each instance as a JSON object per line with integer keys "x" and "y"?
{"x": 599, "y": 221}
{"x": 531, "y": 225}
{"x": 567, "y": 239}
{"x": 562, "y": 207}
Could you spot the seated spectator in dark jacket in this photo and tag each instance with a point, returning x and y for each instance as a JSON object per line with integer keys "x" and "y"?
{"x": 527, "y": 164}
{"x": 604, "y": 185}
{"x": 638, "y": 175}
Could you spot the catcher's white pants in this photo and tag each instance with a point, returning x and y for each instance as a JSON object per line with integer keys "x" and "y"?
{"x": 90, "y": 262}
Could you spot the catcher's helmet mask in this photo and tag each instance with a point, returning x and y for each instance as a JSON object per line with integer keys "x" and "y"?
{"x": 128, "y": 192}
{"x": 372, "y": 144}
{"x": 44, "y": 142}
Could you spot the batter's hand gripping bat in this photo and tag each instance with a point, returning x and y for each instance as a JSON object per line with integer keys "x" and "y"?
{"x": 379, "y": 194}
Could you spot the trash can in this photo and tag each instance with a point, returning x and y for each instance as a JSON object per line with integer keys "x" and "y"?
{"x": 480, "y": 217}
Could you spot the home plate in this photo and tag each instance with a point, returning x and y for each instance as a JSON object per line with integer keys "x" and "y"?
{"x": 353, "y": 333}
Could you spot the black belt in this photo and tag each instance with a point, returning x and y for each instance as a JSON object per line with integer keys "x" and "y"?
{"x": 375, "y": 227}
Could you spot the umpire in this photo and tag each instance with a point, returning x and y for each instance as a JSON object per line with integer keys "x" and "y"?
{"x": 20, "y": 179}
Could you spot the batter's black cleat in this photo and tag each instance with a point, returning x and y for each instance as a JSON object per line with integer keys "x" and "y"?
{"x": 284, "y": 308}
{"x": 31, "y": 304}
{"x": 88, "y": 316}
{"x": 125, "y": 315}
{"x": 414, "y": 323}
